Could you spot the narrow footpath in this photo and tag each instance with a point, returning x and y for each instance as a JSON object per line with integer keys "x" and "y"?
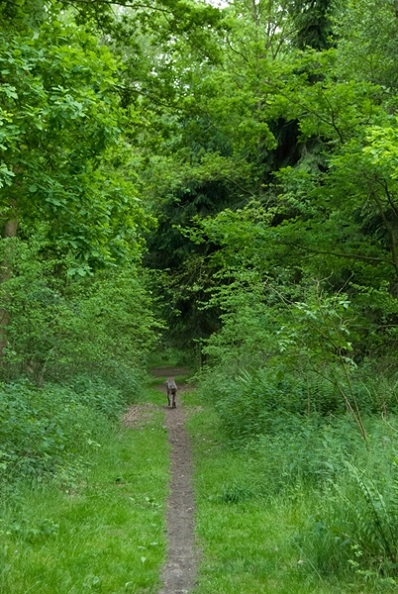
{"x": 179, "y": 571}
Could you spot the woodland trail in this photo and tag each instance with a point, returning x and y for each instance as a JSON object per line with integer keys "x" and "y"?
{"x": 179, "y": 571}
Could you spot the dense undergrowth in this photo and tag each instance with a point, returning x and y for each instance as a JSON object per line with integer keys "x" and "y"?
{"x": 47, "y": 432}
{"x": 285, "y": 449}
{"x": 249, "y": 401}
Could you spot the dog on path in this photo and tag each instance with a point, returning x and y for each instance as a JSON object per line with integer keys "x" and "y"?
{"x": 171, "y": 388}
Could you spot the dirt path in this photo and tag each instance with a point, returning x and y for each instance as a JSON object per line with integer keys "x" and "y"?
{"x": 179, "y": 571}
{"x": 178, "y": 574}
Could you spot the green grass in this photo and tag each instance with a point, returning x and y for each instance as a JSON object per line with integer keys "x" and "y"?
{"x": 253, "y": 541}
{"x": 258, "y": 517}
{"x": 105, "y": 534}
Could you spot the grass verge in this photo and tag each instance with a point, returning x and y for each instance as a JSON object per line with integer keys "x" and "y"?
{"x": 104, "y": 534}
{"x": 253, "y": 540}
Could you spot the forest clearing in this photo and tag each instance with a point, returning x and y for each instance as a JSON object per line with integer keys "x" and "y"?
{"x": 203, "y": 193}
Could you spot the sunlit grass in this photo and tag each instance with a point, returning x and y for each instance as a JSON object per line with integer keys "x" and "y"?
{"x": 105, "y": 531}
{"x": 104, "y": 534}
{"x": 252, "y": 541}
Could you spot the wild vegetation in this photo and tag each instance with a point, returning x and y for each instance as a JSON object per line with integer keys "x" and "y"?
{"x": 219, "y": 178}
{"x": 98, "y": 525}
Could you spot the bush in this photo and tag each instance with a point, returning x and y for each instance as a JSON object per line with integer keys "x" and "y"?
{"x": 354, "y": 518}
{"x": 46, "y": 431}
{"x": 250, "y": 403}
{"x": 58, "y": 326}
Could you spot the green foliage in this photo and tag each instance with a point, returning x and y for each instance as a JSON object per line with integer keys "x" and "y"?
{"x": 104, "y": 530}
{"x": 366, "y": 29}
{"x": 276, "y": 354}
{"x": 288, "y": 504}
{"x": 250, "y": 403}
{"x": 356, "y": 527}
{"x": 62, "y": 155}
{"x": 377, "y": 520}
{"x": 304, "y": 190}
{"x": 48, "y": 432}
{"x": 61, "y": 327}
{"x": 312, "y": 23}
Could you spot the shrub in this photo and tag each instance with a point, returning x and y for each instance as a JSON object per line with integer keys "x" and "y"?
{"x": 354, "y": 520}
{"x": 46, "y": 431}
{"x": 59, "y": 326}
{"x": 250, "y": 402}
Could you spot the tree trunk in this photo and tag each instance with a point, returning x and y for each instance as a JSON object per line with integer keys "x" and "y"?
{"x": 10, "y": 230}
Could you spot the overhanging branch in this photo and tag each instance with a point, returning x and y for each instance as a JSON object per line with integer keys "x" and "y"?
{"x": 362, "y": 257}
{"x": 120, "y": 3}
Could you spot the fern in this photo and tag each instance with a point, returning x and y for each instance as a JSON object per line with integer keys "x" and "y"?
{"x": 377, "y": 522}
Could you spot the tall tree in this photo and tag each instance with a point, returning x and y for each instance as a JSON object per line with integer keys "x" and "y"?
{"x": 66, "y": 172}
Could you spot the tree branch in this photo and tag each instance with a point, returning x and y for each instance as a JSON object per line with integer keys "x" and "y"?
{"x": 342, "y": 255}
{"x": 120, "y": 3}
